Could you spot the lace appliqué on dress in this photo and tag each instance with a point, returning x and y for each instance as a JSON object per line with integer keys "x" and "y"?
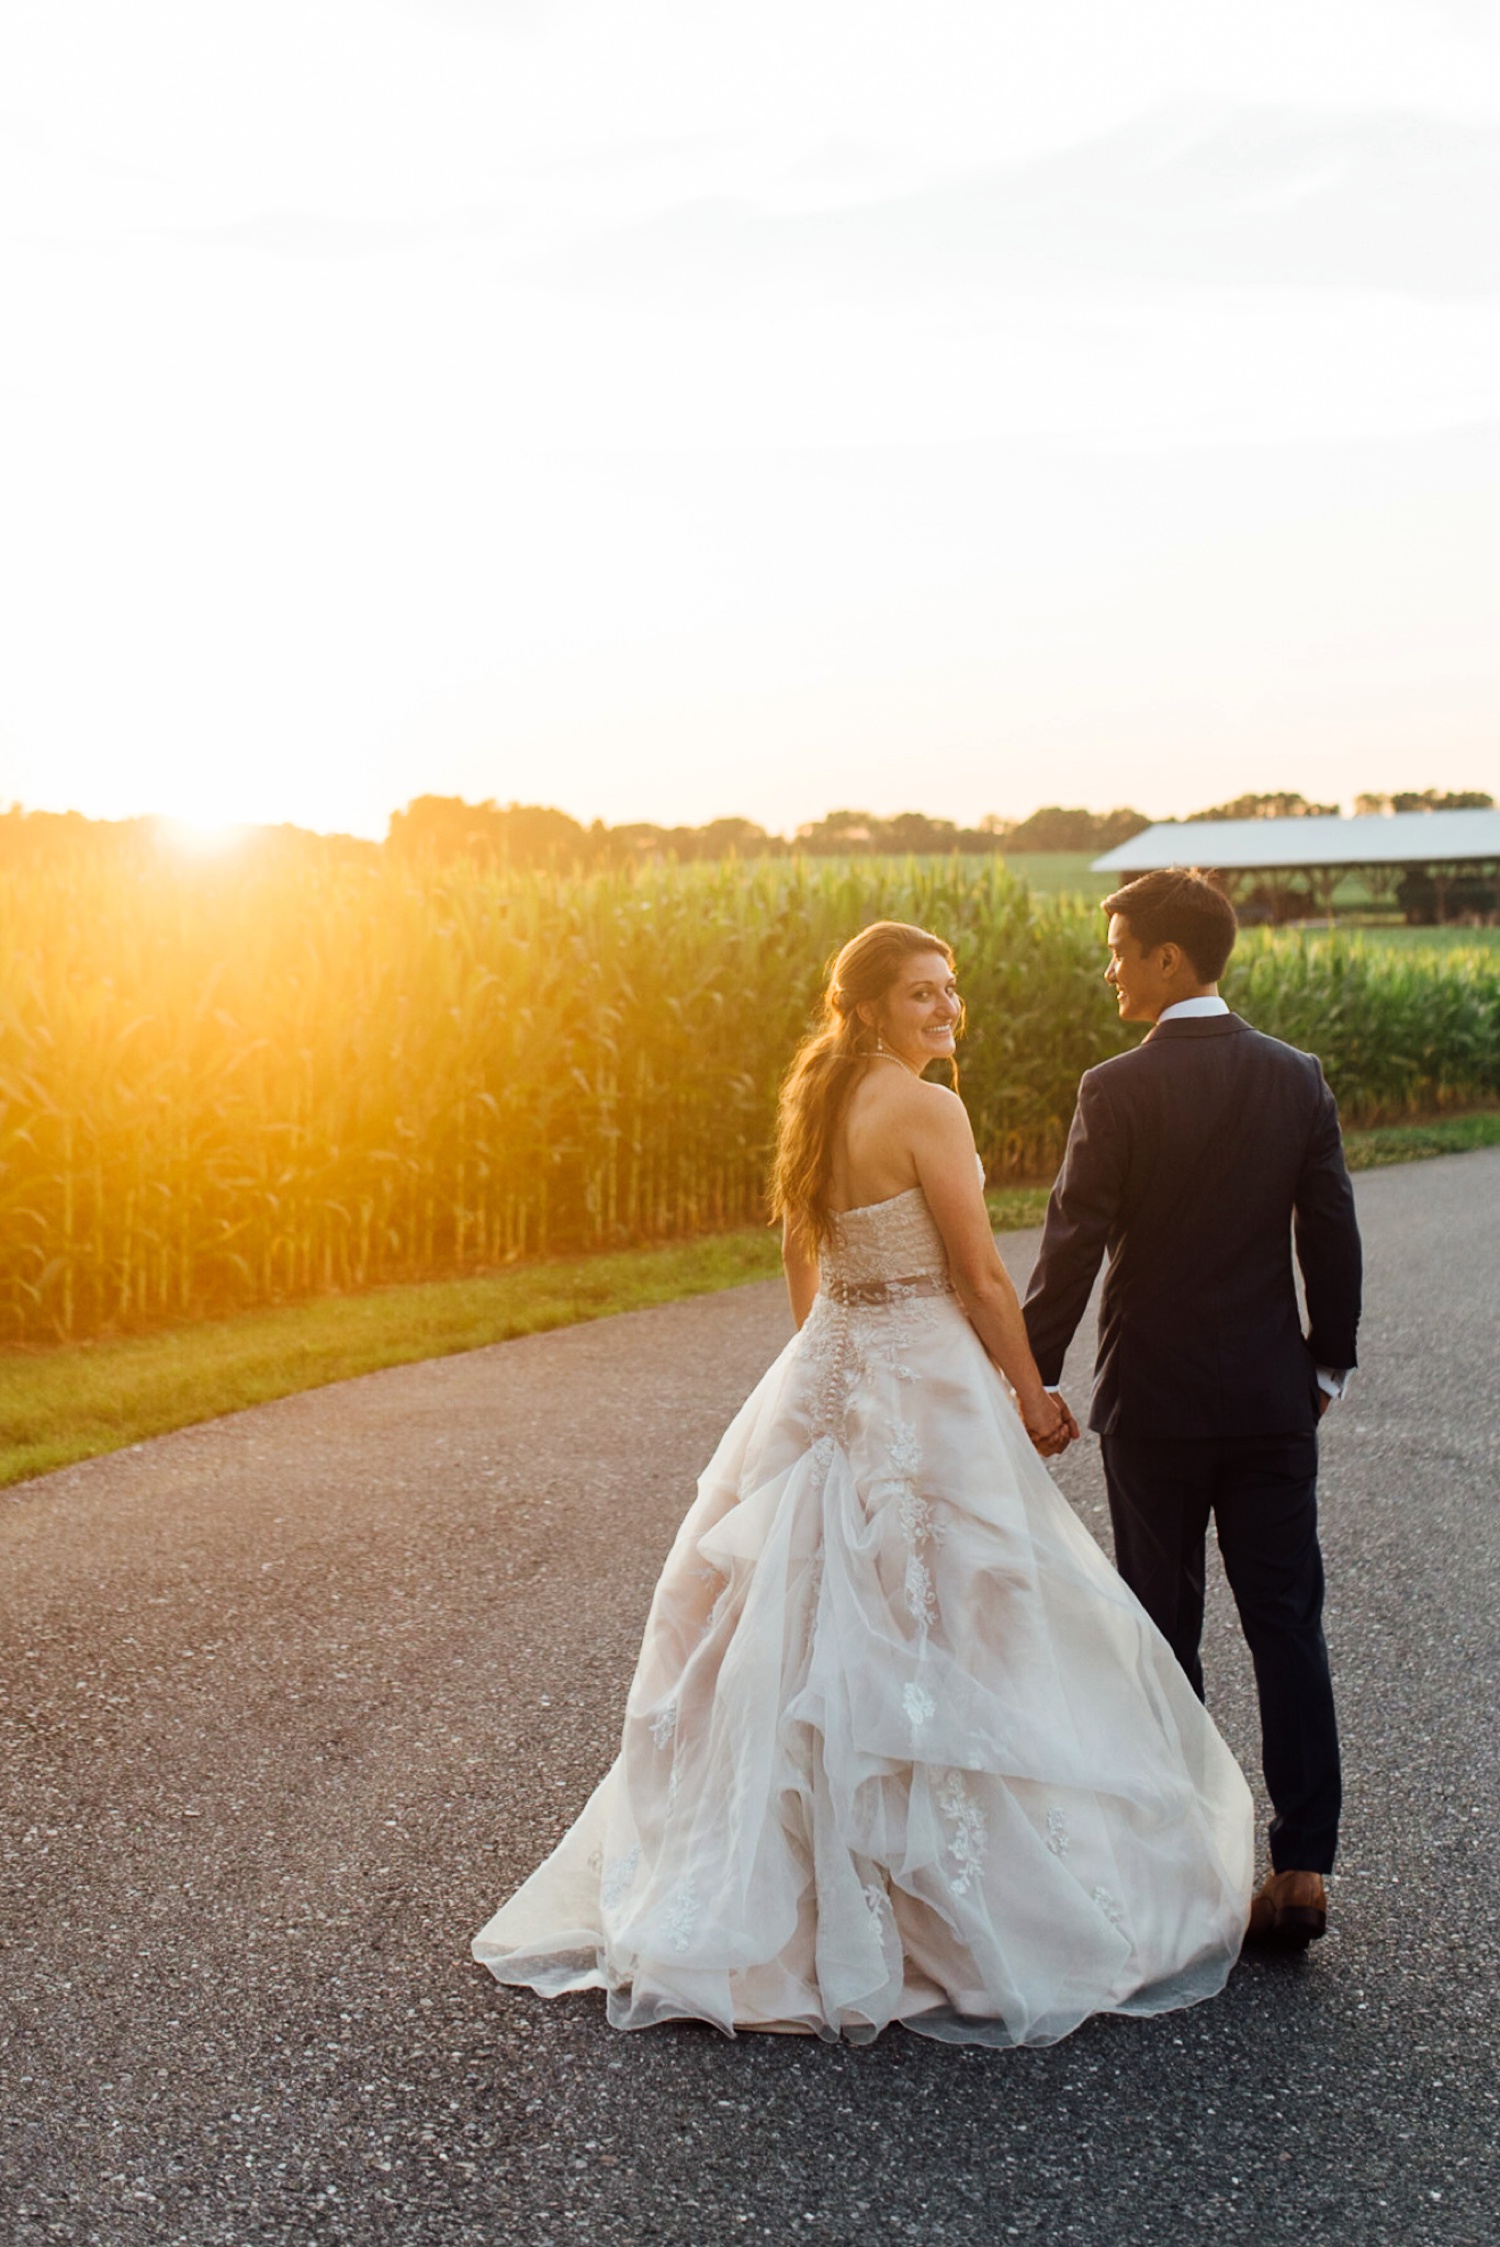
{"x": 919, "y": 1705}
{"x": 664, "y": 1725}
{"x": 904, "y": 1451}
{"x": 1109, "y": 1905}
{"x": 967, "y": 1846}
{"x": 682, "y": 1916}
{"x": 1057, "y": 1833}
{"x": 615, "y": 1886}
{"x": 919, "y": 1527}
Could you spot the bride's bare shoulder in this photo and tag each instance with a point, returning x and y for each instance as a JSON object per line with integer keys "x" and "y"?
{"x": 936, "y": 1100}
{"x": 945, "y": 1113}
{"x": 895, "y": 1090}
{"x": 931, "y": 1109}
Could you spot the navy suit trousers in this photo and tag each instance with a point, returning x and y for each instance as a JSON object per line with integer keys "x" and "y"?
{"x": 1262, "y": 1498}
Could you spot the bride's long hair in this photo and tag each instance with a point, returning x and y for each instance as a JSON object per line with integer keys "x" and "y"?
{"x": 815, "y": 1090}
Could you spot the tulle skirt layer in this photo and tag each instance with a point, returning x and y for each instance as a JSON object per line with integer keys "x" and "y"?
{"x": 900, "y": 1745}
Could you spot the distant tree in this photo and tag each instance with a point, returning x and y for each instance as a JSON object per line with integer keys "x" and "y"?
{"x": 642, "y": 842}
{"x": 912, "y": 833}
{"x": 1440, "y": 799}
{"x": 1052, "y": 828}
{"x": 742, "y": 837}
{"x": 1116, "y": 827}
{"x": 1282, "y": 806}
{"x": 307, "y": 844}
{"x": 538, "y": 835}
{"x": 1056, "y": 828}
{"x": 839, "y": 834}
{"x": 447, "y": 828}
{"x": 916, "y": 834}
{"x": 441, "y": 827}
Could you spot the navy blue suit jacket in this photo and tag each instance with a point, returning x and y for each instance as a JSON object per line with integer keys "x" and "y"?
{"x": 1196, "y": 1161}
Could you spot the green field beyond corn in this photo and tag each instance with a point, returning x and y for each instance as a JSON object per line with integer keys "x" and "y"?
{"x": 225, "y": 1087}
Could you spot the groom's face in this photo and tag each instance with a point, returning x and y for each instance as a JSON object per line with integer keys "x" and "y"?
{"x": 1141, "y": 981}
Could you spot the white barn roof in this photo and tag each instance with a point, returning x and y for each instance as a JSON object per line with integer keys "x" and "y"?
{"x": 1403, "y": 838}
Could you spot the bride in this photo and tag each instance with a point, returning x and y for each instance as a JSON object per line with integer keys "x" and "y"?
{"x": 900, "y": 1745}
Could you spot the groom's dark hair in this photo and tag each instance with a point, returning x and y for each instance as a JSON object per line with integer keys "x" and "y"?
{"x": 1179, "y": 905}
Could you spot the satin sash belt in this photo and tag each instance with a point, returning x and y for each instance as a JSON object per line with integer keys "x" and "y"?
{"x": 867, "y": 1293}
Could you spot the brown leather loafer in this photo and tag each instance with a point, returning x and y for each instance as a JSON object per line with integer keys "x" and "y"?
{"x": 1289, "y": 1910}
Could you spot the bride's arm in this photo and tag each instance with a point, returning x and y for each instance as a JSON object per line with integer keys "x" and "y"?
{"x": 947, "y": 1166}
{"x": 802, "y": 1276}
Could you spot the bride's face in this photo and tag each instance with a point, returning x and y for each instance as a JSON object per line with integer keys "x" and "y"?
{"x": 919, "y": 1014}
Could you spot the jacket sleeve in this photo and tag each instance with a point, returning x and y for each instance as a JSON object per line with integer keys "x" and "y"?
{"x": 1327, "y": 1240}
{"x": 1084, "y": 1204}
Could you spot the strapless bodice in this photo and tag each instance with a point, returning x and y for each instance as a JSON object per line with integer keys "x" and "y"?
{"x": 886, "y": 1241}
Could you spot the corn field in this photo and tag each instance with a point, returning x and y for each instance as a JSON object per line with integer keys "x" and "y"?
{"x": 224, "y": 1085}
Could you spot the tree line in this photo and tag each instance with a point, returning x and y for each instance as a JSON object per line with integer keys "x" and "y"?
{"x": 447, "y": 829}
{"x": 1366, "y": 806}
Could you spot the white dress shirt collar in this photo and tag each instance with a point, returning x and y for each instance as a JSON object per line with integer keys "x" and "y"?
{"x": 1188, "y": 1010}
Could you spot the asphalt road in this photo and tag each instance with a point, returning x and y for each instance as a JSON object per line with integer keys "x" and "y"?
{"x": 291, "y": 1700}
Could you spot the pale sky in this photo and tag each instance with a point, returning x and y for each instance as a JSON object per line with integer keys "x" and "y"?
{"x": 668, "y": 408}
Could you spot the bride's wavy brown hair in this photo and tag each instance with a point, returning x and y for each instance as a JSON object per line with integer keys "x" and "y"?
{"x": 824, "y": 1069}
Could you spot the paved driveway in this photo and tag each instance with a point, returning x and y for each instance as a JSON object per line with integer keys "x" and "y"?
{"x": 291, "y": 1700}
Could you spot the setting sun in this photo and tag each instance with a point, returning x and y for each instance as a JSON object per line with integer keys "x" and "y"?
{"x": 203, "y": 838}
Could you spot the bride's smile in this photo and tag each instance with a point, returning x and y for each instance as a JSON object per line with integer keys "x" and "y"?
{"x": 918, "y": 1020}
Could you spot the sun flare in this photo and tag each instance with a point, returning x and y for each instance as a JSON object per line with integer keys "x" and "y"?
{"x": 204, "y": 838}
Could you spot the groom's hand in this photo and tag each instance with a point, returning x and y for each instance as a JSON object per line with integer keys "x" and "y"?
{"x": 1050, "y": 1425}
{"x": 1071, "y": 1425}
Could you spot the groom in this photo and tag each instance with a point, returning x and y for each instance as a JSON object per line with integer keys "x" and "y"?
{"x": 1196, "y": 1160}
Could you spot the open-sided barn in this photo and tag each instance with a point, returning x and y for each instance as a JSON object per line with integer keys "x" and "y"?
{"x": 1431, "y": 865}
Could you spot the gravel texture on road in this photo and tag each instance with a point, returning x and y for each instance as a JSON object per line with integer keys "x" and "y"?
{"x": 293, "y": 1699}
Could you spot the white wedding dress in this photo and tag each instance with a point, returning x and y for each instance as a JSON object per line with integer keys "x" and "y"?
{"x": 900, "y": 1745}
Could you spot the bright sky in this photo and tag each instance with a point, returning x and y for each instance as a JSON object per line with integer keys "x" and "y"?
{"x": 686, "y": 408}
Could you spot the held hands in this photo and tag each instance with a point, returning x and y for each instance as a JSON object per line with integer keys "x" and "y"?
{"x": 1049, "y": 1423}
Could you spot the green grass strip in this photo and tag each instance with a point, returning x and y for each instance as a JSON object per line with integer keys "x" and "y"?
{"x": 60, "y": 1406}
{"x": 1412, "y": 1143}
